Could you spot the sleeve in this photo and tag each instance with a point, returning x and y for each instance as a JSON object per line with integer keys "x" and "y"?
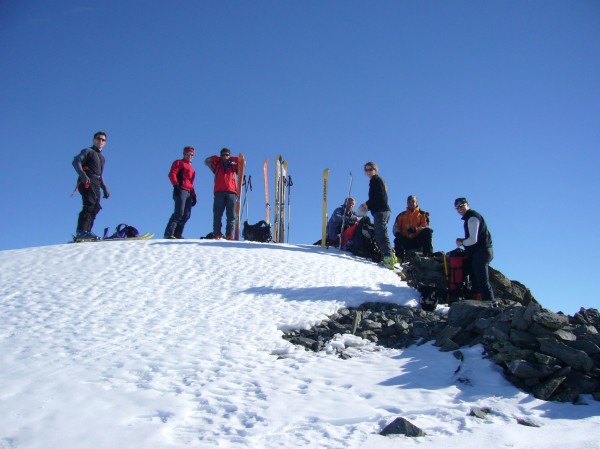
{"x": 173, "y": 173}
{"x": 473, "y": 225}
{"x": 209, "y": 163}
{"x": 396, "y": 227}
{"x": 78, "y": 162}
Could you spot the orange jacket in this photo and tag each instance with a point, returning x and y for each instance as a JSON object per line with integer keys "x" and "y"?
{"x": 411, "y": 219}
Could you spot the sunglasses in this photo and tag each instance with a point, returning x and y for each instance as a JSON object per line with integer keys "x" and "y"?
{"x": 369, "y": 169}
{"x": 101, "y": 138}
{"x": 225, "y": 154}
{"x": 460, "y": 206}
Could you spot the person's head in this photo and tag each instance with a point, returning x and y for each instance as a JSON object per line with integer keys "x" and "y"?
{"x": 371, "y": 169}
{"x": 461, "y": 205}
{"x": 349, "y": 203}
{"x": 412, "y": 202}
{"x": 100, "y": 139}
{"x": 188, "y": 153}
{"x": 225, "y": 153}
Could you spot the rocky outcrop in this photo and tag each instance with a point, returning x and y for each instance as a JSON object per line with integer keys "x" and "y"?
{"x": 551, "y": 355}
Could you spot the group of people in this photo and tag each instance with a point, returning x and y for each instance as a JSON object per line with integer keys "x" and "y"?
{"x": 411, "y": 227}
{"x": 412, "y": 231}
{"x": 89, "y": 165}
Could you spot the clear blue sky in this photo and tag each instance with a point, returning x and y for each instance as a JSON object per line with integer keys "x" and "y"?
{"x": 498, "y": 101}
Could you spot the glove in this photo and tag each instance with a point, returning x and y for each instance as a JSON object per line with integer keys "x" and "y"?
{"x": 106, "y": 193}
{"x": 194, "y": 202}
{"x": 411, "y": 230}
{"x": 176, "y": 188}
{"x": 85, "y": 181}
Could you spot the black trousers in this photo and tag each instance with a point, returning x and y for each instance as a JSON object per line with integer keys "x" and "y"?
{"x": 90, "y": 198}
{"x": 424, "y": 240}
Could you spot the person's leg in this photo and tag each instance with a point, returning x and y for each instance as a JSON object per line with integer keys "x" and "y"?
{"x": 380, "y": 221}
{"x": 179, "y": 198}
{"x": 218, "y": 209}
{"x": 90, "y": 199}
{"x": 231, "y": 199}
{"x": 187, "y": 212}
{"x": 480, "y": 261}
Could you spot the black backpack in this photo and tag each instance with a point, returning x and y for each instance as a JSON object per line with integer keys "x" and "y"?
{"x": 259, "y": 232}
{"x": 124, "y": 231}
{"x": 363, "y": 242}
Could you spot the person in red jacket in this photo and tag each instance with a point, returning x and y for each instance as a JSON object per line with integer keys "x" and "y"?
{"x": 412, "y": 230}
{"x": 225, "y": 168}
{"x": 182, "y": 177}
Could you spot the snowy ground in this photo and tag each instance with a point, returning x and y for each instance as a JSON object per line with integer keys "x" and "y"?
{"x": 162, "y": 344}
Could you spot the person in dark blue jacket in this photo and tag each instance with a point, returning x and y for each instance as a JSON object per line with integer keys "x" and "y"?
{"x": 478, "y": 246}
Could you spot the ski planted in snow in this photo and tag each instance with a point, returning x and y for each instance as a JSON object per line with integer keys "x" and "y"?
{"x": 288, "y": 215}
{"x": 282, "y": 196}
{"x": 238, "y": 202}
{"x": 267, "y": 205}
{"x": 324, "y": 222}
{"x": 276, "y": 214}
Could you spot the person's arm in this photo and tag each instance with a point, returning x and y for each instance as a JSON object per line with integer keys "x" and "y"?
{"x": 78, "y": 165}
{"x": 473, "y": 225}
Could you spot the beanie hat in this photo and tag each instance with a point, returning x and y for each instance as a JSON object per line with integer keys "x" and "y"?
{"x": 460, "y": 201}
{"x": 188, "y": 150}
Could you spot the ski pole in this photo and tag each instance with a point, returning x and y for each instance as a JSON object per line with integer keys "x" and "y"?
{"x": 345, "y": 211}
{"x": 289, "y": 193}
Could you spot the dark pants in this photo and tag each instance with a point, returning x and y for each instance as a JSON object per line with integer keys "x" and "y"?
{"x": 90, "y": 198}
{"x": 424, "y": 240}
{"x": 224, "y": 201}
{"x": 479, "y": 262}
{"x": 380, "y": 222}
{"x": 181, "y": 213}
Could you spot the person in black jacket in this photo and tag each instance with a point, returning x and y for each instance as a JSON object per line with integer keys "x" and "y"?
{"x": 89, "y": 165}
{"x": 478, "y": 246}
{"x": 378, "y": 205}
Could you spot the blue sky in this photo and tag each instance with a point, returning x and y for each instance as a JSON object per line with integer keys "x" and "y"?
{"x": 495, "y": 101}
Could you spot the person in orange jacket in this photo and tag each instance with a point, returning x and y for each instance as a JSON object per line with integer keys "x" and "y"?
{"x": 182, "y": 176}
{"x": 412, "y": 230}
{"x": 225, "y": 168}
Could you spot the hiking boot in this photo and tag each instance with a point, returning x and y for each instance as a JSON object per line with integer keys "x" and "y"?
{"x": 170, "y": 237}
{"x": 218, "y": 236}
{"x": 389, "y": 262}
{"x": 477, "y": 297}
{"x": 86, "y": 235}
{"x": 229, "y": 237}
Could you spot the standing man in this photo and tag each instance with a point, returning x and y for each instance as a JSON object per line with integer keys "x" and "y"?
{"x": 478, "y": 246}
{"x": 89, "y": 165}
{"x": 225, "y": 169}
{"x": 412, "y": 230}
{"x": 182, "y": 176}
{"x": 378, "y": 205}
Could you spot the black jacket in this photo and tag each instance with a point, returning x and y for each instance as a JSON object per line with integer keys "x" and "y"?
{"x": 378, "y": 199}
{"x": 484, "y": 238}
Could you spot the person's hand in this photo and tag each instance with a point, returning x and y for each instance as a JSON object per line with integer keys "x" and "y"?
{"x": 459, "y": 242}
{"x": 176, "y": 188}
{"x": 85, "y": 181}
{"x": 411, "y": 230}
{"x": 194, "y": 201}
{"x": 106, "y": 192}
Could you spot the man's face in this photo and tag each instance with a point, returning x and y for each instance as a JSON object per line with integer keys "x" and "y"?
{"x": 350, "y": 205}
{"x": 225, "y": 155}
{"x": 100, "y": 141}
{"x": 411, "y": 203}
{"x": 462, "y": 208}
{"x": 188, "y": 157}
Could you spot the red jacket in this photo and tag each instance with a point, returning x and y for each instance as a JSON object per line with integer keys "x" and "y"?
{"x": 225, "y": 175}
{"x": 182, "y": 173}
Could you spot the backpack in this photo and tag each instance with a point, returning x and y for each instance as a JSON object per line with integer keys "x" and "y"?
{"x": 363, "y": 242}
{"x": 259, "y": 232}
{"x": 124, "y": 231}
{"x": 457, "y": 273}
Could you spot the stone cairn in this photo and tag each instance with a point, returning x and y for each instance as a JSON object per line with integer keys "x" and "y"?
{"x": 551, "y": 355}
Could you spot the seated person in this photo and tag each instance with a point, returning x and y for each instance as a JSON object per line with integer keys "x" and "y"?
{"x": 412, "y": 230}
{"x": 342, "y": 215}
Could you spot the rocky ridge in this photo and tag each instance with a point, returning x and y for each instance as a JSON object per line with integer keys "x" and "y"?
{"x": 551, "y": 355}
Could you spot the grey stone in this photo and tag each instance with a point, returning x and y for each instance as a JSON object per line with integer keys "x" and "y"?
{"x": 401, "y": 426}
{"x": 574, "y": 357}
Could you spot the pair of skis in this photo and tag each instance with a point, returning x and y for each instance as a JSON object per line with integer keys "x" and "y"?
{"x": 283, "y": 184}
{"x": 325, "y": 216}
{"x": 145, "y": 236}
{"x": 238, "y": 202}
